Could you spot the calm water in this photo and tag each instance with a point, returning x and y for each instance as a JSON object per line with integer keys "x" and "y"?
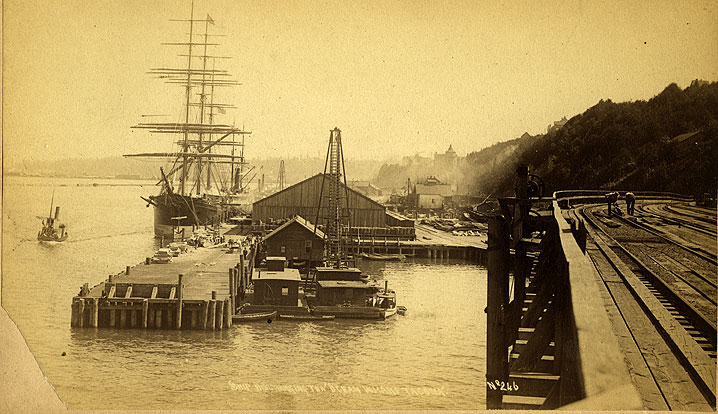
{"x": 431, "y": 358}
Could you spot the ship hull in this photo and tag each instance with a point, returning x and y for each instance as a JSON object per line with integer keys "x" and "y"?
{"x": 195, "y": 210}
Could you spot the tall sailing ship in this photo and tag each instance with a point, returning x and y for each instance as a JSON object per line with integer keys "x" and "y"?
{"x": 206, "y": 173}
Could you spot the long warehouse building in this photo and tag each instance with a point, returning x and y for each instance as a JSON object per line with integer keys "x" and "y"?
{"x": 303, "y": 198}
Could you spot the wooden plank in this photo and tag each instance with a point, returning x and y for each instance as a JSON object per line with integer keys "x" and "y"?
{"x": 172, "y": 293}
{"x": 154, "y": 292}
{"x": 111, "y": 293}
{"x": 700, "y": 363}
{"x": 538, "y": 304}
{"x": 128, "y": 293}
{"x": 536, "y": 345}
{"x": 648, "y": 389}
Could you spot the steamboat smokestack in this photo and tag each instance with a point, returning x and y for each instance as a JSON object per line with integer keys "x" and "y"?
{"x": 57, "y": 212}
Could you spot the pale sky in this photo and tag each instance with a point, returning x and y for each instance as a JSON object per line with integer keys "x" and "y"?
{"x": 398, "y": 77}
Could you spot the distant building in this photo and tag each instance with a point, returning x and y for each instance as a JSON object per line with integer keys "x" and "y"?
{"x": 556, "y": 125}
{"x": 366, "y": 188}
{"x": 433, "y": 185}
{"x": 431, "y": 201}
{"x": 447, "y": 159}
{"x": 431, "y": 193}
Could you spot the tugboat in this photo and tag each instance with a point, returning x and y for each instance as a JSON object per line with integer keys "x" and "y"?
{"x": 49, "y": 233}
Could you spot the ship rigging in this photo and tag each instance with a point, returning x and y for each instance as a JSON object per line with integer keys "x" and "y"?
{"x": 209, "y": 167}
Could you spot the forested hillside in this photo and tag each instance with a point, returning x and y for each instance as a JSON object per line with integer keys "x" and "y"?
{"x": 669, "y": 143}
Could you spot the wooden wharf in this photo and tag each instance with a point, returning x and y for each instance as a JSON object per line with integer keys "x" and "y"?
{"x": 200, "y": 289}
{"x": 570, "y": 326}
{"x": 430, "y": 243}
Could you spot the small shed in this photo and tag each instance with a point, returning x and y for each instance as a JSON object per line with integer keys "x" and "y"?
{"x": 340, "y": 292}
{"x": 277, "y": 287}
{"x": 394, "y": 219}
{"x": 296, "y": 240}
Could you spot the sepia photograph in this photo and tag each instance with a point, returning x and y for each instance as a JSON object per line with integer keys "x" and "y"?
{"x": 456, "y": 206}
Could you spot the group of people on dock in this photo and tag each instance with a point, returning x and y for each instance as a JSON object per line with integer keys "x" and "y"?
{"x": 612, "y": 200}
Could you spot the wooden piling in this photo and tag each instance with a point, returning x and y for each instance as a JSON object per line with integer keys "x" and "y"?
{"x": 231, "y": 289}
{"x": 194, "y": 319}
{"x": 133, "y": 317}
{"x": 94, "y": 310}
{"x": 81, "y": 313}
{"x": 113, "y": 316}
{"x": 73, "y": 317}
{"x": 497, "y": 367}
{"x": 180, "y": 298}
{"x": 145, "y": 309}
{"x": 220, "y": 314}
{"x": 158, "y": 318}
{"x": 205, "y": 314}
{"x": 211, "y": 318}
{"x": 123, "y": 318}
{"x": 241, "y": 269}
{"x": 228, "y": 311}
{"x": 169, "y": 322}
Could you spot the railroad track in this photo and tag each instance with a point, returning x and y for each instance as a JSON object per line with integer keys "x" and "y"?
{"x": 680, "y": 305}
{"x": 697, "y": 250}
{"x": 701, "y": 224}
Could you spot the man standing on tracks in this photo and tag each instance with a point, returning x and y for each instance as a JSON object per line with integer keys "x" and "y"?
{"x": 611, "y": 198}
{"x": 630, "y": 203}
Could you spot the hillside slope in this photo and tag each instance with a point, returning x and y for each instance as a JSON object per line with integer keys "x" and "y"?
{"x": 669, "y": 143}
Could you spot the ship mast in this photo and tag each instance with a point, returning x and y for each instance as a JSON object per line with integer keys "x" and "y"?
{"x": 198, "y": 144}
{"x": 188, "y": 90}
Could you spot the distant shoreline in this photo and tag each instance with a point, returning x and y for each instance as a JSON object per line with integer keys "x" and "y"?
{"x": 116, "y": 177}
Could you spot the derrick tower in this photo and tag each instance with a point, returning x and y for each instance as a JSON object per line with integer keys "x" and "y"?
{"x": 333, "y": 196}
